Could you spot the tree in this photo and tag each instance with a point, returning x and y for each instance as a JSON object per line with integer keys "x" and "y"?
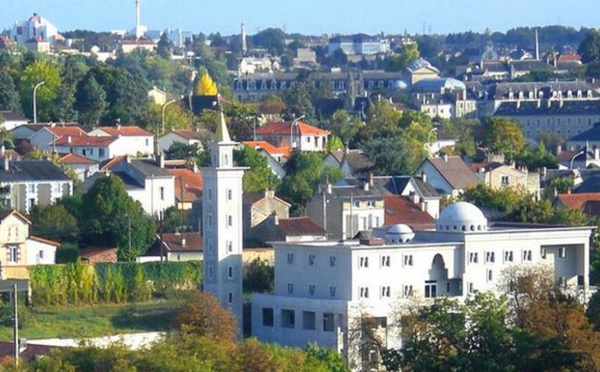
{"x": 90, "y": 101}
{"x": 259, "y": 177}
{"x": 345, "y": 127}
{"x": 398, "y": 62}
{"x": 259, "y": 276}
{"x": 390, "y": 155}
{"x": 54, "y": 222}
{"x": 37, "y": 72}
{"x": 589, "y": 49}
{"x": 110, "y": 217}
{"x": 298, "y": 101}
{"x": 504, "y": 136}
{"x": 9, "y": 96}
{"x": 333, "y": 360}
{"x": 202, "y": 315}
{"x": 163, "y": 48}
{"x": 206, "y": 86}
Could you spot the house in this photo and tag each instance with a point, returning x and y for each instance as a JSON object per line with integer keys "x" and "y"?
{"x": 187, "y": 137}
{"x": 259, "y": 206}
{"x": 136, "y": 141}
{"x": 582, "y": 158}
{"x": 24, "y": 131}
{"x": 41, "y": 251}
{"x": 276, "y": 156}
{"x": 500, "y": 175}
{"x": 128, "y": 45}
{"x": 449, "y": 175}
{"x": 589, "y": 203}
{"x": 359, "y": 44}
{"x": 188, "y": 187}
{"x": 33, "y": 182}
{"x": 353, "y": 163}
{"x": 295, "y": 134}
{"x": 146, "y": 180}
{"x": 10, "y": 120}
{"x": 403, "y": 210}
{"x": 82, "y": 166}
{"x": 94, "y": 255}
{"x": 159, "y": 96}
{"x": 323, "y": 288}
{"x": 176, "y": 247}
{"x": 297, "y": 229}
{"x": 46, "y": 138}
{"x": 344, "y": 210}
{"x": 420, "y": 69}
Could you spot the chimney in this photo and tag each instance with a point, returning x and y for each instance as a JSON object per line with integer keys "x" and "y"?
{"x": 275, "y": 218}
{"x": 445, "y": 157}
{"x": 183, "y": 242}
{"x": 6, "y": 164}
{"x": 423, "y": 205}
{"x": 160, "y": 160}
{"x": 68, "y": 139}
{"x": 424, "y": 176}
{"x": 128, "y": 158}
{"x": 569, "y": 191}
{"x": 558, "y": 149}
{"x": 414, "y": 198}
{"x": 371, "y": 181}
{"x": 365, "y": 185}
{"x": 596, "y": 154}
{"x": 329, "y": 188}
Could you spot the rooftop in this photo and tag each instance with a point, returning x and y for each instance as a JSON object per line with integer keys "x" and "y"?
{"x": 284, "y": 128}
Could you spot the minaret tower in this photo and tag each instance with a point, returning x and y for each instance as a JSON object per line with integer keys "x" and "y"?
{"x": 537, "y": 46}
{"x": 244, "y": 42}
{"x": 222, "y": 224}
{"x": 138, "y": 26}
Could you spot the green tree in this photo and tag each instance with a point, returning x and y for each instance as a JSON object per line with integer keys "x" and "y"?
{"x": 259, "y": 276}
{"x": 504, "y": 136}
{"x": 259, "y": 177}
{"x": 589, "y": 49}
{"x": 37, "y": 72}
{"x": 90, "y": 102}
{"x": 164, "y": 46}
{"x": 9, "y": 96}
{"x": 390, "y": 155}
{"x": 333, "y": 360}
{"x": 54, "y": 222}
{"x": 110, "y": 217}
{"x": 202, "y": 315}
{"x": 298, "y": 101}
{"x": 398, "y": 62}
{"x": 345, "y": 127}
{"x": 559, "y": 185}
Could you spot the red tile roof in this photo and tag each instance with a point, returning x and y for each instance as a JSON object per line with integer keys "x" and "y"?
{"x": 187, "y": 134}
{"x": 399, "y": 209}
{"x": 122, "y": 130}
{"x": 75, "y": 159}
{"x": 108, "y": 164}
{"x": 189, "y": 182}
{"x": 98, "y": 254}
{"x": 578, "y": 201}
{"x": 86, "y": 141}
{"x": 299, "y": 226}
{"x": 42, "y": 240}
{"x": 70, "y": 130}
{"x": 183, "y": 242}
{"x": 266, "y": 146}
{"x": 283, "y": 128}
{"x": 569, "y": 57}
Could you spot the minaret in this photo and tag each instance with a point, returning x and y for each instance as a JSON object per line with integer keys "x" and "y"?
{"x": 244, "y": 42}
{"x": 138, "y": 28}
{"x": 222, "y": 224}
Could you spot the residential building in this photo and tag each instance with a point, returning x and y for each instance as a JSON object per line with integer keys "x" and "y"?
{"x": 276, "y": 156}
{"x": 500, "y": 175}
{"x": 41, "y": 251}
{"x": 47, "y": 137}
{"x": 295, "y": 134}
{"x": 188, "y": 187}
{"x": 589, "y": 138}
{"x": 589, "y": 203}
{"x": 404, "y": 210}
{"x": 136, "y": 139}
{"x": 178, "y": 247}
{"x": 10, "y": 120}
{"x": 146, "y": 180}
{"x": 420, "y": 69}
{"x": 297, "y": 229}
{"x": 360, "y": 44}
{"x": 449, "y": 175}
{"x": 95, "y": 255}
{"x": 186, "y": 137}
{"x": 129, "y": 45}
{"x": 157, "y": 95}
{"x": 82, "y": 166}
{"x": 323, "y": 288}
{"x": 35, "y": 27}
{"x": 222, "y": 227}
{"x": 352, "y": 162}
{"x": 344, "y": 210}
{"x": 32, "y": 182}
{"x": 258, "y": 207}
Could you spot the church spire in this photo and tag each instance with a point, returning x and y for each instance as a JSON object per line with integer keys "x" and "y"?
{"x": 222, "y": 132}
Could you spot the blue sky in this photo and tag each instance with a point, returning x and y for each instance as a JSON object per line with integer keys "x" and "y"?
{"x": 306, "y": 16}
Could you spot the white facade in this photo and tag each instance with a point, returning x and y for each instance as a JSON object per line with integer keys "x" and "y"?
{"x": 320, "y": 287}
{"x": 166, "y": 141}
{"x": 35, "y": 27}
{"x": 222, "y": 225}
{"x": 141, "y": 142}
{"x": 40, "y": 252}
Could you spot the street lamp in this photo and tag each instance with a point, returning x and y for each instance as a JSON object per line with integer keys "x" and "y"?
{"x": 162, "y": 122}
{"x": 576, "y": 155}
{"x": 34, "y": 100}
{"x": 428, "y": 143}
{"x": 294, "y": 123}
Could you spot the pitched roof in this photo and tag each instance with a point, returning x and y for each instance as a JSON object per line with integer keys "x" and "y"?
{"x": 553, "y": 107}
{"x": 183, "y": 242}
{"x": 399, "y": 209}
{"x": 71, "y": 158}
{"x": 84, "y": 141}
{"x": 45, "y": 241}
{"x": 5, "y": 213}
{"x": 147, "y": 167}
{"x": 131, "y": 130}
{"x": 188, "y": 184}
{"x": 69, "y": 130}
{"x": 358, "y": 162}
{"x": 250, "y": 199}
{"x": 186, "y": 134}
{"x": 11, "y": 116}
{"x": 455, "y": 171}
{"x": 32, "y": 170}
{"x": 299, "y": 226}
{"x": 592, "y": 134}
{"x": 283, "y": 128}
{"x": 578, "y": 201}
{"x": 267, "y": 147}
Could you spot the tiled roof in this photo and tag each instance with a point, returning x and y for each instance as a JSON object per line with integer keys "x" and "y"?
{"x": 183, "y": 242}
{"x": 266, "y": 146}
{"x": 70, "y": 130}
{"x": 250, "y": 199}
{"x": 188, "y": 183}
{"x": 5, "y": 213}
{"x": 187, "y": 134}
{"x": 122, "y": 130}
{"x": 300, "y": 226}
{"x": 399, "y": 209}
{"x": 577, "y": 201}
{"x": 283, "y": 128}
{"x": 358, "y": 162}
{"x": 32, "y": 170}
{"x": 85, "y": 141}
{"x": 455, "y": 171}
{"x": 11, "y": 116}
{"x": 45, "y": 241}
{"x": 75, "y": 159}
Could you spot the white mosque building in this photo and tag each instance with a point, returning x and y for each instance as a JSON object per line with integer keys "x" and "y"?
{"x": 320, "y": 287}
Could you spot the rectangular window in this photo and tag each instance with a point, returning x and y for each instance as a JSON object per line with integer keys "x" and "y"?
{"x": 230, "y": 220}
{"x": 490, "y": 257}
{"x": 209, "y": 194}
{"x": 13, "y": 253}
{"x": 332, "y": 291}
{"x": 32, "y": 188}
{"x": 290, "y": 288}
{"x": 364, "y": 262}
{"x": 490, "y": 275}
{"x": 230, "y": 246}
{"x": 328, "y": 324}
{"x": 311, "y": 259}
{"x": 473, "y": 257}
{"x": 527, "y": 255}
{"x": 162, "y": 193}
{"x": 386, "y": 291}
{"x": 331, "y": 261}
{"x": 311, "y": 289}
{"x": 385, "y": 261}
{"x": 309, "y": 320}
{"x": 288, "y": 318}
{"x": 505, "y": 180}
{"x": 364, "y": 292}
{"x": 267, "y": 317}
{"x": 407, "y": 260}
{"x": 101, "y": 153}
{"x": 543, "y": 253}
{"x": 229, "y": 194}
{"x": 471, "y": 288}
{"x": 562, "y": 252}
{"x": 290, "y": 258}
{"x": 230, "y": 297}
{"x": 407, "y": 291}
{"x": 230, "y": 272}
{"x": 430, "y": 289}
{"x": 508, "y": 256}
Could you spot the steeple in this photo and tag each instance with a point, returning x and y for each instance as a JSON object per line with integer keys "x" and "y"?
{"x": 222, "y": 132}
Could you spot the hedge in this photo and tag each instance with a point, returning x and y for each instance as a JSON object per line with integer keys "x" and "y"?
{"x": 76, "y": 283}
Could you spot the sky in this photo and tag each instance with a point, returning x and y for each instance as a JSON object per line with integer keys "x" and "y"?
{"x": 311, "y": 17}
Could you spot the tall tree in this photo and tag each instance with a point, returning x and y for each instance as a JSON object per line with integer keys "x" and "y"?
{"x": 90, "y": 101}
{"x": 164, "y": 46}
{"x": 54, "y": 222}
{"x": 37, "y": 72}
{"x": 504, "y": 136}
{"x": 259, "y": 177}
{"x": 9, "y": 96}
{"x": 589, "y": 49}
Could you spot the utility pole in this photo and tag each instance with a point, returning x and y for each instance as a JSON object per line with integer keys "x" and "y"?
{"x": 129, "y": 224}
{"x": 15, "y": 325}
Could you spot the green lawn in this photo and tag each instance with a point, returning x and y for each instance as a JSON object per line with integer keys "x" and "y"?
{"x": 92, "y": 321}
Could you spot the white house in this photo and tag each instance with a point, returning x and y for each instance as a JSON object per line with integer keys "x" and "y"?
{"x": 82, "y": 166}
{"x": 296, "y": 135}
{"x": 40, "y": 251}
{"x": 137, "y": 140}
{"x": 9, "y": 120}
{"x": 188, "y": 137}
{"x": 321, "y": 288}
{"x": 47, "y": 137}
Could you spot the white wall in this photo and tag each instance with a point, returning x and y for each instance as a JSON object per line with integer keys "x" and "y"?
{"x": 166, "y": 141}
{"x": 39, "y": 253}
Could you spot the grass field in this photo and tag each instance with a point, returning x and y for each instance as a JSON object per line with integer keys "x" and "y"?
{"x": 93, "y": 321}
